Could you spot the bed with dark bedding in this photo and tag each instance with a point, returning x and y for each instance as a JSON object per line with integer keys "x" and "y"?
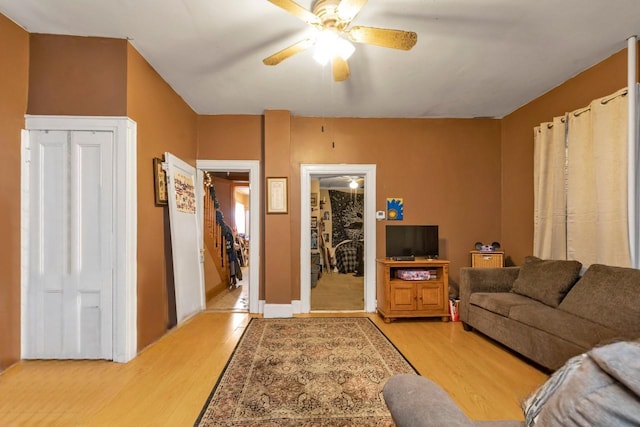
{"x": 348, "y": 255}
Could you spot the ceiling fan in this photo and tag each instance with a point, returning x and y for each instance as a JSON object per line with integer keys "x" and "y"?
{"x": 332, "y": 18}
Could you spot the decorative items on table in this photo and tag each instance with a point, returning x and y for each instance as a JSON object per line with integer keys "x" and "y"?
{"x": 487, "y": 248}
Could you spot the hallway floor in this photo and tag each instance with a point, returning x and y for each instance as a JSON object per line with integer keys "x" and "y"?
{"x": 236, "y": 299}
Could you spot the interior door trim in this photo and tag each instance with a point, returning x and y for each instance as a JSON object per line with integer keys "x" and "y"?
{"x": 253, "y": 167}
{"x": 125, "y": 300}
{"x": 369, "y": 173}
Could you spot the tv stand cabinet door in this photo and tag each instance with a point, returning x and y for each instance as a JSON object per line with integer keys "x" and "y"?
{"x": 431, "y": 297}
{"x": 402, "y": 297}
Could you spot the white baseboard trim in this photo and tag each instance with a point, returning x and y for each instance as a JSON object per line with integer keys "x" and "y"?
{"x": 296, "y": 306}
{"x": 261, "y": 304}
{"x": 272, "y": 311}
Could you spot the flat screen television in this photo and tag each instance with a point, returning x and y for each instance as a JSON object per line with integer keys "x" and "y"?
{"x": 420, "y": 241}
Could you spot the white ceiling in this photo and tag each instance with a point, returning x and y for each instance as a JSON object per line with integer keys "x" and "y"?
{"x": 474, "y": 58}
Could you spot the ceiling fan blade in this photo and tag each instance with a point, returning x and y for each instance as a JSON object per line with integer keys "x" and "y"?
{"x": 348, "y": 9}
{"x": 396, "y": 39}
{"x": 340, "y": 69}
{"x": 296, "y": 10}
{"x": 288, "y": 52}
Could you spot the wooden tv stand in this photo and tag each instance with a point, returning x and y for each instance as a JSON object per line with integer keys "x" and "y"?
{"x": 399, "y": 298}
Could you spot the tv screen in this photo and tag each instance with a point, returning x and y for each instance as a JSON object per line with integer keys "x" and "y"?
{"x": 420, "y": 241}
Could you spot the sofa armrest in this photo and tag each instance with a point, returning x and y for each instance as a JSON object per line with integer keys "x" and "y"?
{"x": 484, "y": 280}
{"x": 415, "y": 401}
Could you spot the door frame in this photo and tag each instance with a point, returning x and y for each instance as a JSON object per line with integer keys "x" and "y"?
{"x": 125, "y": 301}
{"x": 369, "y": 173}
{"x": 253, "y": 167}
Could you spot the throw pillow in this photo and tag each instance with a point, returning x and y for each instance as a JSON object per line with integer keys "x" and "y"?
{"x": 591, "y": 393}
{"x": 547, "y": 281}
{"x": 533, "y": 405}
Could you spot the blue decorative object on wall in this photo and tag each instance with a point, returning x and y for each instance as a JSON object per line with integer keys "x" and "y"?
{"x": 395, "y": 209}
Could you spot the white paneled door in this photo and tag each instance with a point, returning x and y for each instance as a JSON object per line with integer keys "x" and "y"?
{"x": 186, "y": 240}
{"x": 71, "y": 245}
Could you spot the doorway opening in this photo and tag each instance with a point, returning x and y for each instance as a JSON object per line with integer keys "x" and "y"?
{"x": 337, "y": 243}
{"x": 366, "y": 176}
{"x": 231, "y": 233}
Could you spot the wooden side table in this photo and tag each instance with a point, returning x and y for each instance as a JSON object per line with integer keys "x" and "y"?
{"x": 481, "y": 259}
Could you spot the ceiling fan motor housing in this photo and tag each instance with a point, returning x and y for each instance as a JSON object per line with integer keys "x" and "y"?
{"x": 327, "y": 11}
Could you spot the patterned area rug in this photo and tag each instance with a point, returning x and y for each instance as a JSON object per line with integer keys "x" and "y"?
{"x": 306, "y": 372}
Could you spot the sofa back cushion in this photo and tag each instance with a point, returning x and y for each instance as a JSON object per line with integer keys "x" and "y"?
{"x": 547, "y": 281}
{"x": 609, "y": 296}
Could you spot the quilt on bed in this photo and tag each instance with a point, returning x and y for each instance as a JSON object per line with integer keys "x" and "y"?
{"x": 347, "y": 257}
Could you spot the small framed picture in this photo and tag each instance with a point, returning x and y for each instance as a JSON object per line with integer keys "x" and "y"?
{"x": 159, "y": 183}
{"x": 314, "y": 199}
{"x": 277, "y": 199}
{"x": 314, "y": 222}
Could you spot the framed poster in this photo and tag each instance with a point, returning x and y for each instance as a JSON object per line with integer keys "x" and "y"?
{"x": 277, "y": 198}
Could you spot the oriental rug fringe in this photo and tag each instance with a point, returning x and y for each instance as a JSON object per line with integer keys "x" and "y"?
{"x": 306, "y": 372}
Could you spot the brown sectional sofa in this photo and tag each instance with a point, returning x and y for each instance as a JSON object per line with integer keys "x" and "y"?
{"x": 546, "y": 312}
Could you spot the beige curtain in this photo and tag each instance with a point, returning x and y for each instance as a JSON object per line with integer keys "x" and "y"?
{"x": 597, "y": 226}
{"x": 549, "y": 237}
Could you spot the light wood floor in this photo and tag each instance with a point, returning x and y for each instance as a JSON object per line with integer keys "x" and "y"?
{"x": 236, "y": 299}
{"x": 168, "y": 383}
{"x": 338, "y": 292}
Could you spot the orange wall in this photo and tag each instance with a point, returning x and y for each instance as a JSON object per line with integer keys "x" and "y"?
{"x": 517, "y": 145}
{"x": 472, "y": 177}
{"x": 14, "y": 69}
{"x": 98, "y": 76}
{"x": 278, "y": 230}
{"x": 224, "y": 194}
{"x": 230, "y": 137}
{"x": 447, "y": 170}
{"x": 165, "y": 123}
{"x": 77, "y": 76}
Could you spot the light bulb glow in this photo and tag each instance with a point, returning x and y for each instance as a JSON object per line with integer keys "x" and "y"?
{"x": 353, "y": 184}
{"x": 329, "y": 44}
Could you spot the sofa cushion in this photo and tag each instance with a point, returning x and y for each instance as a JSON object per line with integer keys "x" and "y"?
{"x": 547, "y": 281}
{"x": 581, "y": 332}
{"x": 498, "y": 302}
{"x": 533, "y": 405}
{"x": 600, "y": 389}
{"x": 608, "y": 296}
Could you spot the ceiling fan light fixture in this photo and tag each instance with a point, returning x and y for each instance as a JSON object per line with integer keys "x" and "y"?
{"x": 353, "y": 184}
{"x": 344, "y": 48}
{"x": 329, "y": 44}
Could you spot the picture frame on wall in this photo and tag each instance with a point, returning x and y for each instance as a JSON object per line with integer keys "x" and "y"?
{"x": 160, "y": 183}
{"x": 314, "y": 199}
{"x": 277, "y": 197}
{"x": 314, "y": 222}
